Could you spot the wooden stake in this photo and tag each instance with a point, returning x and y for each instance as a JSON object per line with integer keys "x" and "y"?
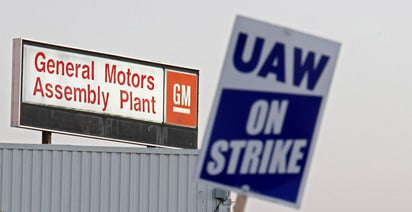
{"x": 240, "y": 203}
{"x": 46, "y": 137}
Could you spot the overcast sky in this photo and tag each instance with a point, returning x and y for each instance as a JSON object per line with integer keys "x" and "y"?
{"x": 363, "y": 157}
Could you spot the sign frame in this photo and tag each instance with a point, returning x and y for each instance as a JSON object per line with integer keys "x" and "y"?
{"x": 91, "y": 124}
{"x": 229, "y": 81}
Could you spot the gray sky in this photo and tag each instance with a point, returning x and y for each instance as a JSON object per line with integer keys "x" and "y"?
{"x": 362, "y": 161}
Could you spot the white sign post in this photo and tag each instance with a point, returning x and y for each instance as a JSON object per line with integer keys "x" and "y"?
{"x": 267, "y": 111}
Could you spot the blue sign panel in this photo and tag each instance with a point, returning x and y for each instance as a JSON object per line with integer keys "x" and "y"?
{"x": 251, "y": 149}
{"x": 267, "y": 110}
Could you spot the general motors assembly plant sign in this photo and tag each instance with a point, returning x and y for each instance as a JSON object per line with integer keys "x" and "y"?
{"x": 267, "y": 111}
{"x": 68, "y": 90}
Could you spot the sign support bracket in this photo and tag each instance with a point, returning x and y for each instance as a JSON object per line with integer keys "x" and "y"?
{"x": 240, "y": 203}
{"x": 46, "y": 137}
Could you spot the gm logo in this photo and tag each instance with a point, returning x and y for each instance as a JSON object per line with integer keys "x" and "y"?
{"x": 181, "y": 98}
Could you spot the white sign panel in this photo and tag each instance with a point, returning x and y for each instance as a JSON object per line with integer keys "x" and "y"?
{"x": 267, "y": 111}
{"x": 93, "y": 84}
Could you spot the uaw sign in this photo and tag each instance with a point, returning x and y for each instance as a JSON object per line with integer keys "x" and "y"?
{"x": 267, "y": 111}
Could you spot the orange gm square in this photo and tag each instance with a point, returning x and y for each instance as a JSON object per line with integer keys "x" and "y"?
{"x": 181, "y": 98}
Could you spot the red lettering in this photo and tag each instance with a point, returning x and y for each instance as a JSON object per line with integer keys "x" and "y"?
{"x": 131, "y": 100}
{"x": 91, "y": 93}
{"x": 50, "y": 64}
{"x": 86, "y": 72}
{"x": 110, "y": 76}
{"x": 58, "y": 94}
{"x": 128, "y": 76}
{"x": 36, "y": 63}
{"x": 67, "y": 91}
{"x": 121, "y": 81}
{"x": 38, "y": 87}
{"x": 137, "y": 104}
{"x": 153, "y": 104}
{"x": 135, "y": 80}
{"x": 59, "y": 64}
{"x": 49, "y": 91}
{"x": 143, "y": 77}
{"x": 69, "y": 67}
{"x": 146, "y": 105}
{"x": 92, "y": 70}
{"x": 77, "y": 69}
{"x": 43, "y": 64}
{"x": 150, "y": 80}
{"x": 123, "y": 98}
{"x": 78, "y": 92}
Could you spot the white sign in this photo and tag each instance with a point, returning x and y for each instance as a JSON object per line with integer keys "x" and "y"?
{"x": 267, "y": 111}
{"x": 94, "y": 84}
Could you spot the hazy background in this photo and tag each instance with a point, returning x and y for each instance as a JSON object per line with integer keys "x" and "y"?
{"x": 363, "y": 158}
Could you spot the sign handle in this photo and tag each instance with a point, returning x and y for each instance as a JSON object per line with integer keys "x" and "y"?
{"x": 46, "y": 137}
{"x": 240, "y": 203}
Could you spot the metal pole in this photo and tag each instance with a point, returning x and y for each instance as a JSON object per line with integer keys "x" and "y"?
{"x": 46, "y": 137}
{"x": 240, "y": 203}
